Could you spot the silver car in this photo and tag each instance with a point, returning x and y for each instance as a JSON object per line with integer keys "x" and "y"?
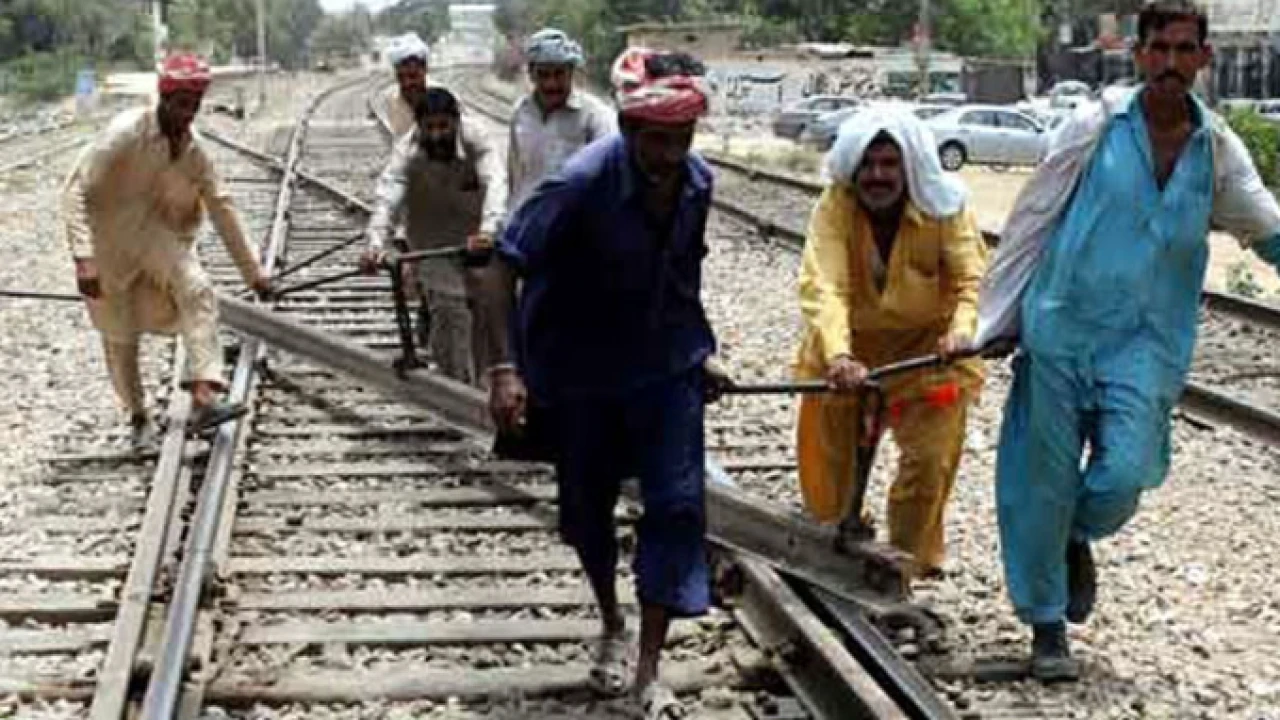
{"x": 792, "y": 120}
{"x": 987, "y": 135}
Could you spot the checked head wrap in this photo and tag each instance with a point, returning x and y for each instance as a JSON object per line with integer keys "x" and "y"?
{"x": 184, "y": 71}
{"x": 659, "y": 87}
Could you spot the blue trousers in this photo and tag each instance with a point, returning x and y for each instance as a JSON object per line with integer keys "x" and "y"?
{"x": 655, "y": 435}
{"x": 1045, "y": 494}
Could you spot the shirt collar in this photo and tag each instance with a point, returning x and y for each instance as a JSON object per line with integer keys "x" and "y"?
{"x": 1132, "y": 107}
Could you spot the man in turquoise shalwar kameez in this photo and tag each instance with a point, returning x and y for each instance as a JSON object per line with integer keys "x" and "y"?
{"x": 1103, "y": 260}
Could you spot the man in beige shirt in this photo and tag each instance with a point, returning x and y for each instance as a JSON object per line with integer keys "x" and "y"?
{"x": 132, "y": 207}
{"x": 554, "y": 121}
{"x": 446, "y": 181}
{"x": 410, "y": 57}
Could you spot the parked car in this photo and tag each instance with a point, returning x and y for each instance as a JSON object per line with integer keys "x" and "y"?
{"x": 988, "y": 135}
{"x": 945, "y": 98}
{"x": 1067, "y": 94}
{"x": 792, "y": 120}
{"x": 821, "y": 133}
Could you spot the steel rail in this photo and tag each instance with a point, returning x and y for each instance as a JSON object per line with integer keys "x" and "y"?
{"x": 822, "y": 671}
{"x": 165, "y": 686}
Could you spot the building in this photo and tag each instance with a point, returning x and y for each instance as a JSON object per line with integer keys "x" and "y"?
{"x": 708, "y": 41}
{"x": 1246, "y": 38}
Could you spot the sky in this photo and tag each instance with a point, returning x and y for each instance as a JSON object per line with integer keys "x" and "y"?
{"x": 340, "y": 5}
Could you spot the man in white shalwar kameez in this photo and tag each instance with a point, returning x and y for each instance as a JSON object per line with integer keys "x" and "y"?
{"x": 409, "y": 57}
{"x": 132, "y": 207}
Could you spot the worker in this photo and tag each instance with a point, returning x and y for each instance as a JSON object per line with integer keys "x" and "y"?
{"x": 447, "y": 183}
{"x": 1099, "y": 276}
{"x": 891, "y": 267}
{"x": 410, "y": 57}
{"x": 556, "y": 119}
{"x": 132, "y": 206}
{"x": 612, "y": 340}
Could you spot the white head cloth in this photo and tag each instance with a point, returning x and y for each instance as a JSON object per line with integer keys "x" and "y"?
{"x": 552, "y": 47}
{"x": 406, "y": 47}
{"x": 932, "y": 190}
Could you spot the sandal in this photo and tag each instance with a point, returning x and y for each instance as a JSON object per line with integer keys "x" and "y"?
{"x": 609, "y": 673}
{"x": 658, "y": 702}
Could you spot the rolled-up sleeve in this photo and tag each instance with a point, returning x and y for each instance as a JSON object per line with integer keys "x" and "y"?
{"x": 392, "y": 183}
{"x": 1243, "y": 205}
{"x": 824, "y": 277}
{"x": 493, "y": 177}
{"x": 964, "y": 255}
{"x": 529, "y": 239}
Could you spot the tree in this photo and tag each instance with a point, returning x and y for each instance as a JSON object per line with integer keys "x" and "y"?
{"x": 340, "y": 35}
{"x": 428, "y": 18}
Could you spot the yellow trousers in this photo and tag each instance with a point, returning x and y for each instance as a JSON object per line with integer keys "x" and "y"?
{"x": 931, "y": 438}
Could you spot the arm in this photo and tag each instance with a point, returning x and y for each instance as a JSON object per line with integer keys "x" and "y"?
{"x": 489, "y": 169}
{"x": 524, "y": 250}
{"x": 824, "y": 276}
{"x": 390, "y": 193}
{"x": 1243, "y": 206}
{"x": 225, "y": 219}
{"x": 92, "y": 174}
{"x": 964, "y": 256}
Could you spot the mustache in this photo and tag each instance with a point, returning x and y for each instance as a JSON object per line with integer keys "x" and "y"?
{"x": 1172, "y": 74}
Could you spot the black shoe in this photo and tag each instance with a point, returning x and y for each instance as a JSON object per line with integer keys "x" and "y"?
{"x": 1051, "y": 659}
{"x": 142, "y": 432}
{"x": 1082, "y": 581}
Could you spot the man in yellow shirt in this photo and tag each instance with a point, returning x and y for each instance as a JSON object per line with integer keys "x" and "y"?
{"x": 891, "y": 269}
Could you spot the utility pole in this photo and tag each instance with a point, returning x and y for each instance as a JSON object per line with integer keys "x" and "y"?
{"x": 262, "y": 55}
{"x": 922, "y": 47}
{"x": 159, "y": 33}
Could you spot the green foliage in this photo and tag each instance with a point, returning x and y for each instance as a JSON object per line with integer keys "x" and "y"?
{"x": 341, "y": 35}
{"x": 428, "y": 18}
{"x": 1262, "y": 138}
{"x": 42, "y": 77}
{"x": 1240, "y": 280}
{"x": 222, "y": 29}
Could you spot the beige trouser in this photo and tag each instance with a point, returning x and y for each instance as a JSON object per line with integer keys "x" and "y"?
{"x": 183, "y": 304}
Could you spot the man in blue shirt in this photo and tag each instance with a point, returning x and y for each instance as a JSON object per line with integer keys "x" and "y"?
{"x": 1108, "y": 319}
{"x": 611, "y": 339}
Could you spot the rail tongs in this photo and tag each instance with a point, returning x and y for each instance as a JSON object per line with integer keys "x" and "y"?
{"x": 855, "y": 527}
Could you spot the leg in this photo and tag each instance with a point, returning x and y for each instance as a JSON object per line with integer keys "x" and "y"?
{"x": 197, "y": 307}
{"x": 126, "y": 378}
{"x": 931, "y": 439}
{"x": 588, "y": 482}
{"x": 826, "y": 450}
{"x": 451, "y": 335}
{"x": 1037, "y": 481}
{"x": 665, "y": 424}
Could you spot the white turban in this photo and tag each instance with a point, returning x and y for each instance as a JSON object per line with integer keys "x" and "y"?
{"x": 932, "y": 190}
{"x": 552, "y": 47}
{"x": 407, "y": 47}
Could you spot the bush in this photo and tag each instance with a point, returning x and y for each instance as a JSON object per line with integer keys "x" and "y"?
{"x": 1262, "y": 138}
{"x": 42, "y": 77}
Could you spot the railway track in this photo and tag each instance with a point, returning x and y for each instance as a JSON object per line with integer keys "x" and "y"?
{"x": 335, "y": 547}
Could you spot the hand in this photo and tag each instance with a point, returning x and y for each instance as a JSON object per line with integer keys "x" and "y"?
{"x": 262, "y": 286}
{"x": 507, "y": 399}
{"x": 716, "y": 380}
{"x": 479, "y": 250}
{"x": 952, "y": 344}
{"x": 479, "y": 242}
{"x": 845, "y": 373}
{"x": 87, "y": 278}
{"x": 372, "y": 260}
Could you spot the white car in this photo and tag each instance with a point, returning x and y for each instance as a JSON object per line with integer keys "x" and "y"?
{"x": 988, "y": 135}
